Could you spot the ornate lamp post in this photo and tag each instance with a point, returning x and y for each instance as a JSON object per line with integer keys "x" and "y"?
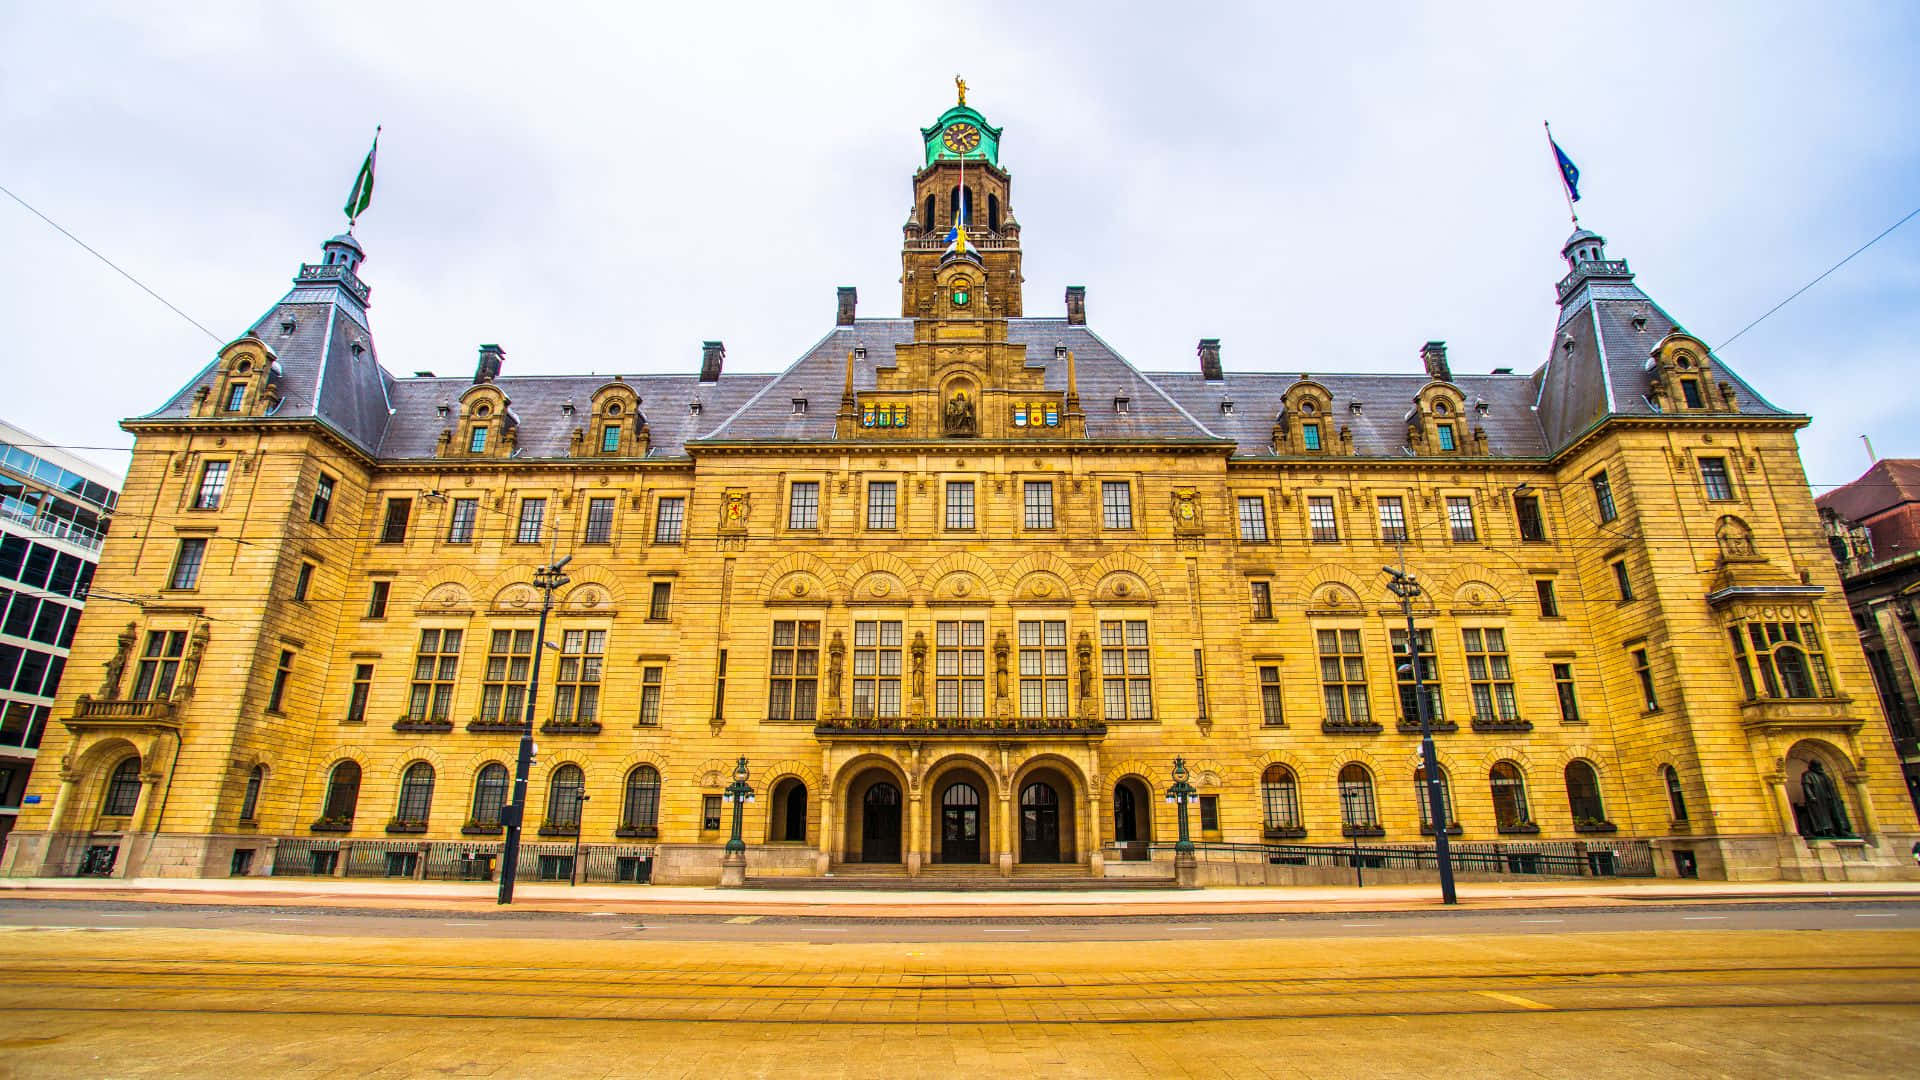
{"x": 579, "y": 826}
{"x": 733, "y": 867}
{"x": 1180, "y": 793}
{"x": 547, "y": 578}
{"x": 1403, "y": 585}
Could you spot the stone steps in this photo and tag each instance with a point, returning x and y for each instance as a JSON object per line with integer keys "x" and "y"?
{"x": 960, "y": 878}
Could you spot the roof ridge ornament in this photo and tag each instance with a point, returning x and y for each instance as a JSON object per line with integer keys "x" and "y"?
{"x": 960, "y": 84}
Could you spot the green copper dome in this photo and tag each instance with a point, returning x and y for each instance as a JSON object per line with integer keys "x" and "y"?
{"x": 962, "y": 132}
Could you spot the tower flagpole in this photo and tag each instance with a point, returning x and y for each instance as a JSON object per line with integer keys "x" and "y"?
{"x": 1560, "y": 165}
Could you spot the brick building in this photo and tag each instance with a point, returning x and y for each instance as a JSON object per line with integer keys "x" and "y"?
{"x": 961, "y": 584}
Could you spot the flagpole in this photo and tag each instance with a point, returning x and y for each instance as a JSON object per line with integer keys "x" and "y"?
{"x": 352, "y": 219}
{"x": 1565, "y": 192}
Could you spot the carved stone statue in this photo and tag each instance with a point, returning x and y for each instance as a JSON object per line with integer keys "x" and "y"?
{"x": 836, "y": 669}
{"x": 1736, "y": 539}
{"x": 116, "y": 667}
{"x": 919, "y": 664}
{"x": 1826, "y": 814}
{"x": 960, "y": 419}
{"x": 190, "y": 667}
{"x": 1083, "y": 657}
{"x": 960, "y": 84}
{"x": 1001, "y": 650}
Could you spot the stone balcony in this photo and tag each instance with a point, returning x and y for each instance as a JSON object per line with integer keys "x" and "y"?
{"x": 894, "y": 727}
{"x": 143, "y": 712}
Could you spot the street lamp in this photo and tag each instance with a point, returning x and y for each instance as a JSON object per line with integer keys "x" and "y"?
{"x": 739, "y": 794}
{"x": 579, "y": 826}
{"x": 547, "y": 579}
{"x": 1403, "y": 585}
{"x": 1180, "y": 793}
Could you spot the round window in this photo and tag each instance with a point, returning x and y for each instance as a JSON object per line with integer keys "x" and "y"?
{"x": 482, "y": 410}
{"x": 613, "y": 408}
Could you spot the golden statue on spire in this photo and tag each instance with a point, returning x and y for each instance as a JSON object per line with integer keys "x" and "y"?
{"x": 961, "y": 84}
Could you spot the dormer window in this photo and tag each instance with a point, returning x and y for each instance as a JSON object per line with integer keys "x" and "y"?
{"x": 1690, "y": 390}
{"x": 359, "y": 350}
{"x": 566, "y": 408}
{"x": 1226, "y": 407}
{"x": 1480, "y": 406}
{"x": 1444, "y": 431}
{"x": 1123, "y": 405}
{"x": 444, "y": 410}
{"x": 799, "y": 406}
{"x": 477, "y": 442}
{"x": 693, "y": 408}
{"x": 236, "y": 396}
{"x": 1310, "y": 436}
{"x": 610, "y": 439}
{"x": 286, "y": 327}
{"x": 1353, "y": 407}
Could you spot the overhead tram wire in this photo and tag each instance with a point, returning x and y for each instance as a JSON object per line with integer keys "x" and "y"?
{"x": 1796, "y": 293}
{"x": 217, "y": 339}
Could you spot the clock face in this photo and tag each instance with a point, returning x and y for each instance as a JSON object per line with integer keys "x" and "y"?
{"x": 961, "y": 138}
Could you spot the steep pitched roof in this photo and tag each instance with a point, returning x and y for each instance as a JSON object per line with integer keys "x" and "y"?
{"x": 1888, "y": 485}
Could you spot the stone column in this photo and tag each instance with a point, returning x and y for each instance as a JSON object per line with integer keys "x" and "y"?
{"x": 916, "y": 824}
{"x": 1869, "y": 824}
{"x": 829, "y": 844}
{"x": 1096, "y": 861}
{"x": 1006, "y": 834}
{"x": 135, "y": 825}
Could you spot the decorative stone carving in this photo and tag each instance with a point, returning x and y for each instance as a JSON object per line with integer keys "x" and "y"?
{"x": 836, "y": 671}
{"x": 516, "y": 597}
{"x": 190, "y": 667}
{"x": 1185, "y": 508}
{"x": 117, "y": 666}
{"x": 959, "y": 416}
{"x": 446, "y": 596}
{"x": 733, "y": 510}
{"x": 1736, "y": 540}
{"x": 1083, "y": 658}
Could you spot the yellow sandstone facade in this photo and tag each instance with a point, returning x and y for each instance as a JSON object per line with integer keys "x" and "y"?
{"x": 961, "y": 586}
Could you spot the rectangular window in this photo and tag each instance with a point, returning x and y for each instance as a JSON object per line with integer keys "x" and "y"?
{"x": 1526, "y": 510}
{"x": 533, "y": 515}
{"x": 1445, "y": 432}
{"x": 576, "y": 692}
{"x": 186, "y": 563}
{"x": 1490, "y": 675}
{"x": 1322, "y": 524}
{"x": 1310, "y": 436}
{"x": 1643, "y": 670}
{"x": 599, "y": 521}
{"x": 960, "y": 669}
{"x": 959, "y": 504}
{"x": 1116, "y": 504}
{"x": 1715, "y": 479}
{"x": 236, "y": 396}
{"x": 610, "y": 439}
{"x": 666, "y": 523}
{"x": 1780, "y": 660}
{"x": 503, "y": 693}
{"x": 1603, "y": 497}
{"x": 460, "y": 526}
{"x": 660, "y": 604}
{"x": 1460, "y": 519}
{"x": 876, "y": 669}
{"x": 477, "y": 442}
{"x": 1271, "y": 712}
{"x": 1253, "y": 519}
{"x": 159, "y": 664}
{"x": 394, "y": 529}
{"x": 357, "y": 696}
{"x": 1043, "y": 669}
{"x": 650, "y": 696}
{"x": 1126, "y": 669}
{"x": 1623, "y": 580}
{"x": 1429, "y": 676}
{"x": 710, "y": 813}
{"x": 1393, "y": 519}
{"x": 213, "y": 486}
{"x": 1690, "y": 390}
{"x": 795, "y": 670}
{"x": 282, "y": 673}
{"x": 1563, "y": 689}
{"x": 303, "y": 581}
{"x": 1549, "y": 602}
{"x": 803, "y": 505}
{"x": 1039, "y": 504}
{"x": 1343, "y": 677}
{"x": 1209, "y": 813}
{"x": 1262, "y": 599}
{"x": 882, "y": 504}
{"x": 322, "y": 500}
{"x": 434, "y": 667}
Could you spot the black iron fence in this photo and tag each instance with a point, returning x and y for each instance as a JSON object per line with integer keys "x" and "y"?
{"x": 1541, "y": 858}
{"x": 445, "y": 860}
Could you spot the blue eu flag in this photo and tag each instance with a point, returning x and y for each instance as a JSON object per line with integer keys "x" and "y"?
{"x": 1569, "y": 172}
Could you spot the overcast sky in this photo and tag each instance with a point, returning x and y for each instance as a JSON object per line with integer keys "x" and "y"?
{"x": 599, "y": 189}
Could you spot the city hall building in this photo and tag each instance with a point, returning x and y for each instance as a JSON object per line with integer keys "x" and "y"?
{"x": 961, "y": 585}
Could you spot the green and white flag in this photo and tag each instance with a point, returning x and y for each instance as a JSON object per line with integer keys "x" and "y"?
{"x": 362, "y": 195}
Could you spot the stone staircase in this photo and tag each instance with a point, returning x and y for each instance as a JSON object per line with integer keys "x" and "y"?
{"x": 963, "y": 877}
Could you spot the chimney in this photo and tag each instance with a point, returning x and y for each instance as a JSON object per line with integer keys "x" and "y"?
{"x": 1434, "y": 355}
{"x": 1210, "y": 359}
{"x": 491, "y": 356}
{"x": 849, "y": 297}
{"x": 712, "y": 355}
{"x": 1076, "y": 305}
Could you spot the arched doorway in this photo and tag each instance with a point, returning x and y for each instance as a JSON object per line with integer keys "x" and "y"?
{"x": 1039, "y": 823}
{"x": 1132, "y": 819}
{"x": 960, "y": 823}
{"x": 880, "y": 824}
{"x": 787, "y": 811}
{"x": 1814, "y": 782}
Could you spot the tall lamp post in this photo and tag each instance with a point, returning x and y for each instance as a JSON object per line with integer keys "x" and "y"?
{"x": 579, "y": 826}
{"x": 733, "y": 867}
{"x": 1180, "y": 793}
{"x": 547, "y": 579}
{"x": 1403, "y": 585}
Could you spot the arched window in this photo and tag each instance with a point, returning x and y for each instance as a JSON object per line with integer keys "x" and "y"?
{"x": 1426, "y": 808}
{"x": 1280, "y": 798}
{"x": 641, "y": 806}
{"x": 926, "y": 222}
{"x": 489, "y": 794}
{"x": 123, "y": 789}
{"x": 250, "y": 802}
{"x": 1780, "y": 659}
{"x": 563, "y": 797}
{"x": 1509, "y": 795}
{"x": 1356, "y": 798}
{"x": 993, "y": 213}
{"x": 961, "y": 207}
{"x": 1583, "y": 793}
{"x": 416, "y": 794}
{"x": 343, "y": 792}
{"x": 1676, "y": 798}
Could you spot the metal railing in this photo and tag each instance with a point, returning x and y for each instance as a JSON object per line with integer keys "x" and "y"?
{"x": 47, "y": 525}
{"x": 454, "y": 860}
{"x": 956, "y": 725}
{"x": 1546, "y": 858}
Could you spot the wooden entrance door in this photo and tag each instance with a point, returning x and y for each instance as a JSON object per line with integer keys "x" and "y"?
{"x": 960, "y": 824}
{"x": 880, "y": 824}
{"x": 1039, "y": 824}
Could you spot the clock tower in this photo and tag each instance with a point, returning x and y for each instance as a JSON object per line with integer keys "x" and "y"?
{"x": 961, "y": 183}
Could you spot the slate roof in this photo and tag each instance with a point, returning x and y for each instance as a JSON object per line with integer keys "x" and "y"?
{"x": 1890, "y": 484}
{"x": 1597, "y": 365}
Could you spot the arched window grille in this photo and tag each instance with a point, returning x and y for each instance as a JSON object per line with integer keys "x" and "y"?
{"x": 1583, "y": 793}
{"x": 1676, "y": 799}
{"x": 563, "y": 797}
{"x": 416, "y": 793}
{"x": 1356, "y": 798}
{"x": 343, "y": 792}
{"x": 250, "y": 802}
{"x": 641, "y": 807}
{"x": 1280, "y": 798}
{"x": 123, "y": 789}
{"x": 489, "y": 793}
{"x": 1446, "y": 798}
{"x": 1509, "y": 795}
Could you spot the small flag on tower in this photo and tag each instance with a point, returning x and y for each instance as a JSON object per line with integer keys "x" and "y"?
{"x": 1569, "y": 172}
{"x": 362, "y": 194}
